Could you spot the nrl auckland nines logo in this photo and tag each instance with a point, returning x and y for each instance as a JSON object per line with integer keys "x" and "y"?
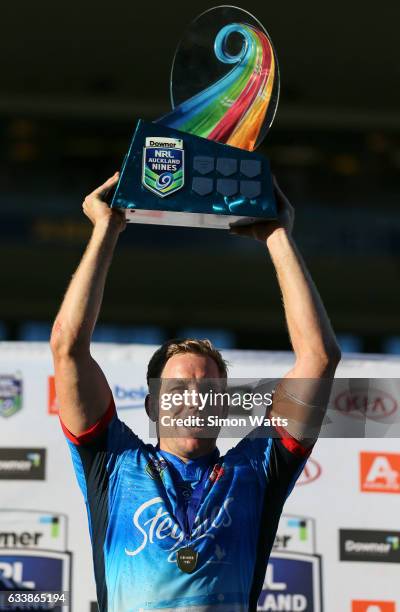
{"x": 163, "y": 165}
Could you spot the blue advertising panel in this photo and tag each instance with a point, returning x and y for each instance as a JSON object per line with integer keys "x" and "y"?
{"x": 292, "y": 582}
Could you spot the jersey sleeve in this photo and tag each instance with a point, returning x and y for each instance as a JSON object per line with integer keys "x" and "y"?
{"x": 98, "y": 452}
{"x": 278, "y": 458}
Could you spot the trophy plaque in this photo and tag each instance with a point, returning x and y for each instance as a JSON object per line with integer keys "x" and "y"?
{"x": 196, "y": 166}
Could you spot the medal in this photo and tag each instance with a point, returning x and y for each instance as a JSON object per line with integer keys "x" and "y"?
{"x": 187, "y": 559}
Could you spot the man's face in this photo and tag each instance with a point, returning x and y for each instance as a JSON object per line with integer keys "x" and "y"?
{"x": 186, "y": 371}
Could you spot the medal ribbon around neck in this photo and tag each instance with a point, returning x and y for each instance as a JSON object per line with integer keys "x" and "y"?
{"x": 187, "y": 557}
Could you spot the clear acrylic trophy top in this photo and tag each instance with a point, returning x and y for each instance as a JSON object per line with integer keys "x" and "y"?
{"x": 224, "y": 79}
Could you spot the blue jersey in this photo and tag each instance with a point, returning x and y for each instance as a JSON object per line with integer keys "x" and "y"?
{"x": 132, "y": 491}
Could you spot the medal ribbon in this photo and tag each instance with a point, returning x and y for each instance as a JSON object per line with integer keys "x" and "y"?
{"x": 186, "y": 519}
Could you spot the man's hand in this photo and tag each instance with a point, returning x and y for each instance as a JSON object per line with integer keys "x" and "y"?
{"x": 263, "y": 230}
{"x": 97, "y": 210}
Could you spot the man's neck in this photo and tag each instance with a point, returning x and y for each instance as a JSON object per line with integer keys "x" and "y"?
{"x": 187, "y": 456}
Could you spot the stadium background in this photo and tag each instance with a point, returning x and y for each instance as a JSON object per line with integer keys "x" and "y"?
{"x": 74, "y": 80}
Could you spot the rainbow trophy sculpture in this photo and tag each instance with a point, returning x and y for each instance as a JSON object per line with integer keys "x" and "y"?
{"x": 196, "y": 165}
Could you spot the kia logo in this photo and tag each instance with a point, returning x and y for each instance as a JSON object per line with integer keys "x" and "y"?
{"x": 312, "y": 471}
{"x": 361, "y": 403}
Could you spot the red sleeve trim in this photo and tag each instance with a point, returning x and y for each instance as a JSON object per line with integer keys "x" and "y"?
{"x": 291, "y": 444}
{"x": 95, "y": 430}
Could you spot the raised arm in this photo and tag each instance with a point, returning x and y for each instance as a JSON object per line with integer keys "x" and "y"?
{"x": 82, "y": 389}
{"x": 305, "y": 390}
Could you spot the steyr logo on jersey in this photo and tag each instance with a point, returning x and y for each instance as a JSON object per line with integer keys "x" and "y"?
{"x": 10, "y": 394}
{"x": 152, "y": 522}
{"x": 380, "y": 472}
{"x": 163, "y": 165}
{"x": 373, "y": 606}
{"x": 312, "y": 471}
{"x": 372, "y": 403}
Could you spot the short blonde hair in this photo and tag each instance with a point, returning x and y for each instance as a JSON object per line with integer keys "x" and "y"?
{"x": 178, "y": 346}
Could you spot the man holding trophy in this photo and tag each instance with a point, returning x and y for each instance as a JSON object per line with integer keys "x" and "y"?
{"x": 176, "y": 526}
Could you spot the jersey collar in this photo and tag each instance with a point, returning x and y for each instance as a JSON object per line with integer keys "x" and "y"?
{"x": 194, "y": 468}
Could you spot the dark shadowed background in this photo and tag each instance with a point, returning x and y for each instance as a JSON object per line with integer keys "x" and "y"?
{"x": 76, "y": 76}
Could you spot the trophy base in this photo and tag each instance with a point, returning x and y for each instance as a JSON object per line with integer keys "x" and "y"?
{"x": 182, "y": 219}
{"x": 171, "y": 177}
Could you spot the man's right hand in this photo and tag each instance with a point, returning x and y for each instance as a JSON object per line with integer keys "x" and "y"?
{"x": 98, "y": 211}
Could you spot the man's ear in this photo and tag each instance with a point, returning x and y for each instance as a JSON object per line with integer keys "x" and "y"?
{"x": 151, "y": 407}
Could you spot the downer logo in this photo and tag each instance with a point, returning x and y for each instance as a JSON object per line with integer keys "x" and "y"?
{"x": 22, "y": 463}
{"x": 32, "y": 529}
{"x": 12, "y": 539}
{"x": 296, "y": 534}
{"x": 171, "y": 143}
{"x": 369, "y": 545}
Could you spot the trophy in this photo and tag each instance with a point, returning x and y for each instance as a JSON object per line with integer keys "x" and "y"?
{"x": 196, "y": 166}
